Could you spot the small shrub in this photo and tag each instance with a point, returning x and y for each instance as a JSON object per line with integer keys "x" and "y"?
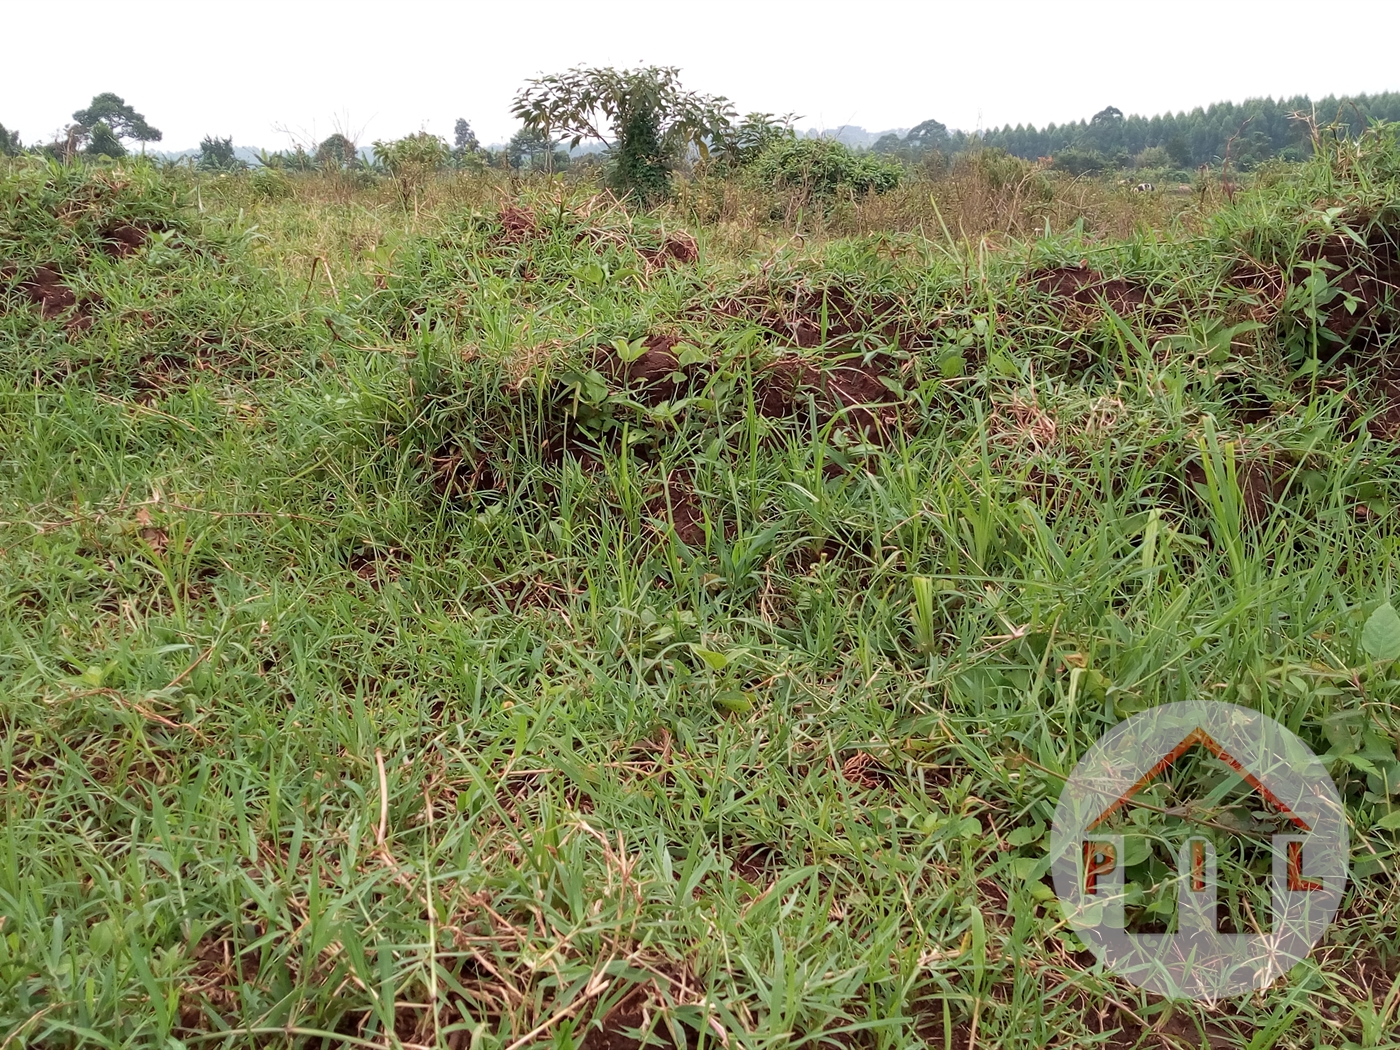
{"x": 817, "y": 171}
{"x": 270, "y": 184}
{"x": 411, "y": 162}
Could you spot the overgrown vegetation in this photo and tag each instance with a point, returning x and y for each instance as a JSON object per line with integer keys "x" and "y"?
{"x": 489, "y": 616}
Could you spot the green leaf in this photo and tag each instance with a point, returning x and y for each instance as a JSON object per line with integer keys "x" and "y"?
{"x": 1391, "y": 821}
{"x": 716, "y": 660}
{"x": 1381, "y": 635}
{"x": 735, "y": 701}
{"x": 1026, "y": 835}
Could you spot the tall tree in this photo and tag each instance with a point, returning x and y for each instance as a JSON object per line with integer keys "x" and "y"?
{"x": 644, "y": 115}
{"x": 336, "y": 151}
{"x": 926, "y": 136}
{"x": 121, "y": 120}
{"x": 9, "y": 142}
{"x": 529, "y": 148}
{"x": 463, "y": 137}
{"x": 103, "y": 142}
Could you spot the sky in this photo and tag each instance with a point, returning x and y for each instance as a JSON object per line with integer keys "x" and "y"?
{"x": 386, "y": 69}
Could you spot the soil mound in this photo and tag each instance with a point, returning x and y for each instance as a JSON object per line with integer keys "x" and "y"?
{"x": 1367, "y": 275}
{"x": 122, "y": 240}
{"x": 1086, "y": 287}
{"x": 518, "y": 225}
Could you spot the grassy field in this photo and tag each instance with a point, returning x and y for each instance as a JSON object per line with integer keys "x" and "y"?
{"x": 526, "y": 623}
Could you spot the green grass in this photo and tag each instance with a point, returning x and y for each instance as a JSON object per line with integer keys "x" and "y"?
{"x": 378, "y": 670}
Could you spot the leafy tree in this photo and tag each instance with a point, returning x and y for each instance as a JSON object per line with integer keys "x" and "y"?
{"x": 929, "y": 135}
{"x": 1198, "y": 136}
{"x": 216, "y": 154}
{"x": 741, "y": 145}
{"x": 528, "y": 148}
{"x": 463, "y": 137}
{"x": 336, "y": 151}
{"x": 9, "y": 143}
{"x": 1179, "y": 150}
{"x": 644, "y": 115}
{"x": 103, "y": 142}
{"x": 1152, "y": 157}
{"x": 120, "y": 120}
{"x": 411, "y": 162}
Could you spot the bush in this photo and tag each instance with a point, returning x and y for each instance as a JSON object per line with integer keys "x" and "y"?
{"x": 270, "y": 184}
{"x": 411, "y": 162}
{"x": 822, "y": 169}
{"x": 1080, "y": 161}
{"x": 1153, "y": 157}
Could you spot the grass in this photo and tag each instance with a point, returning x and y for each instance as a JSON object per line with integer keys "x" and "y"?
{"x": 381, "y": 668}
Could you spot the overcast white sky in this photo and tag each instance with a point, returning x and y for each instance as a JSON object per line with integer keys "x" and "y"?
{"x": 384, "y": 69}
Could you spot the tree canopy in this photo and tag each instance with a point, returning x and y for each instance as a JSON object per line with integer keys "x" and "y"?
{"x": 644, "y": 115}
{"x": 463, "y": 137}
{"x": 120, "y": 119}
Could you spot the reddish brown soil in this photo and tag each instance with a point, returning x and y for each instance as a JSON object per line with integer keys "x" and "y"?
{"x": 455, "y": 473}
{"x": 1087, "y": 287}
{"x": 679, "y": 505}
{"x": 122, "y": 240}
{"x": 678, "y": 247}
{"x": 1263, "y": 289}
{"x": 651, "y": 376}
{"x": 1370, "y": 275}
{"x": 214, "y": 981}
{"x": 1262, "y": 481}
{"x": 855, "y": 389}
{"x": 47, "y": 291}
{"x": 517, "y": 225}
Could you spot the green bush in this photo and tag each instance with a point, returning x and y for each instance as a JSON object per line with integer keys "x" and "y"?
{"x": 411, "y": 162}
{"x": 1081, "y": 161}
{"x": 823, "y": 169}
{"x": 270, "y": 184}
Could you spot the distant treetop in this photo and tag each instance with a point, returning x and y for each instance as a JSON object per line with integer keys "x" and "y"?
{"x": 121, "y": 119}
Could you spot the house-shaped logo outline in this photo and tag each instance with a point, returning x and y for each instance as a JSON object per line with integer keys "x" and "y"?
{"x": 1196, "y": 894}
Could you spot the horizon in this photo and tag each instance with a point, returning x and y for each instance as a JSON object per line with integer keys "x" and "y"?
{"x": 424, "y": 81}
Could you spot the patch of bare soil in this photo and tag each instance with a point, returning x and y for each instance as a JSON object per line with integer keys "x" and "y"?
{"x": 1261, "y": 288}
{"x": 1262, "y": 480}
{"x": 376, "y": 566}
{"x": 517, "y": 225}
{"x": 1088, "y": 288}
{"x": 122, "y": 239}
{"x": 677, "y": 247}
{"x": 458, "y": 473}
{"x": 46, "y": 289}
{"x": 653, "y": 375}
{"x": 1368, "y": 277}
{"x": 855, "y": 389}
{"x": 213, "y": 982}
{"x": 634, "y": 1022}
{"x": 1127, "y": 1030}
{"x": 680, "y": 506}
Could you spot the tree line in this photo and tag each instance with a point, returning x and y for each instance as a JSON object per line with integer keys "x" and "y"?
{"x": 1251, "y": 132}
{"x": 642, "y": 126}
